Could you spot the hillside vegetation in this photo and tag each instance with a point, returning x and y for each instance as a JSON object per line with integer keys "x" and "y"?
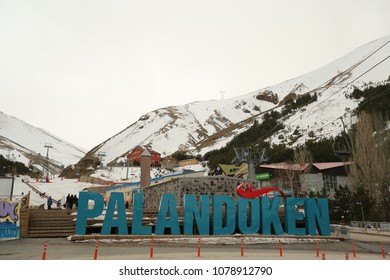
{"x": 375, "y": 98}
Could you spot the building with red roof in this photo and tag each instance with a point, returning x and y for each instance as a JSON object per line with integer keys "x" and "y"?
{"x": 134, "y": 158}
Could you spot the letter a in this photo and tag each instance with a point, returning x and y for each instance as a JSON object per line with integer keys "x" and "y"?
{"x": 116, "y": 199}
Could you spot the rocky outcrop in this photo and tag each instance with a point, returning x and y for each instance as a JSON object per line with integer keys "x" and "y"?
{"x": 269, "y": 96}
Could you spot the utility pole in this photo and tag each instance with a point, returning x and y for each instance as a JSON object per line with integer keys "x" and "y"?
{"x": 127, "y": 170}
{"x": 222, "y": 92}
{"x": 47, "y": 146}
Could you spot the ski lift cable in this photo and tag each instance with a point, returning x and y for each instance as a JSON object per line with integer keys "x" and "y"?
{"x": 354, "y": 80}
{"x": 361, "y": 75}
{"x": 272, "y": 130}
{"x": 353, "y": 113}
{"x": 308, "y": 111}
{"x": 328, "y": 98}
{"x": 330, "y": 122}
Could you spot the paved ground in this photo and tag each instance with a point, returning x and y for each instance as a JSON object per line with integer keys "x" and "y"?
{"x": 368, "y": 247}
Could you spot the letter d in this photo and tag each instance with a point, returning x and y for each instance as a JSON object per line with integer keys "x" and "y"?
{"x": 83, "y": 213}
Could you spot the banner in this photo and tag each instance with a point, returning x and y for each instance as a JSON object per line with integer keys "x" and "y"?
{"x": 6, "y": 186}
{"x": 9, "y": 219}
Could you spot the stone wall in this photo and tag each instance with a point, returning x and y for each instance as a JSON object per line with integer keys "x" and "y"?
{"x": 212, "y": 185}
{"x": 93, "y": 180}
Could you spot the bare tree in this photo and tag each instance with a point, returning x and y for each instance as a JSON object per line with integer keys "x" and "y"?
{"x": 370, "y": 154}
{"x": 369, "y": 160}
{"x": 294, "y": 172}
{"x": 290, "y": 172}
{"x": 304, "y": 158}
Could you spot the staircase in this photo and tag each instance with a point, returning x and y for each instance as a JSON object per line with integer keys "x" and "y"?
{"x": 50, "y": 223}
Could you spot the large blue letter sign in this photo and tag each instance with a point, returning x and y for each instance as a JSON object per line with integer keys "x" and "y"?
{"x": 270, "y": 215}
{"x": 251, "y": 207}
{"x": 116, "y": 199}
{"x": 201, "y": 214}
{"x": 83, "y": 213}
{"x": 137, "y": 227}
{"x": 167, "y": 206}
{"x": 317, "y": 216}
{"x": 292, "y": 215}
{"x": 219, "y": 201}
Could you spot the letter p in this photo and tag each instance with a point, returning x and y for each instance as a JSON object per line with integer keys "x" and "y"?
{"x": 83, "y": 213}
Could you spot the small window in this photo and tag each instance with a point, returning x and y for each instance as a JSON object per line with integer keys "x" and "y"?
{"x": 330, "y": 182}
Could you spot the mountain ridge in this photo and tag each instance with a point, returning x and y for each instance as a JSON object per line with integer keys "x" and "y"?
{"x": 201, "y": 126}
{"x": 20, "y": 141}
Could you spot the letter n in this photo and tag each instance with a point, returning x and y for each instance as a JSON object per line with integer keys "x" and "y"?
{"x": 317, "y": 216}
{"x": 201, "y": 214}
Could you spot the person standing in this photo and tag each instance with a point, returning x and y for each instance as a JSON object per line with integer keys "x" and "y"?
{"x": 49, "y": 202}
{"x": 71, "y": 201}
{"x": 68, "y": 201}
{"x": 75, "y": 201}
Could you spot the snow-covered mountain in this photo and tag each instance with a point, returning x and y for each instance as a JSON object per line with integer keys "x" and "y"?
{"x": 20, "y": 141}
{"x": 206, "y": 125}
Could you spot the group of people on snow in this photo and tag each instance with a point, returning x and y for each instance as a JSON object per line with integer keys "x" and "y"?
{"x": 70, "y": 202}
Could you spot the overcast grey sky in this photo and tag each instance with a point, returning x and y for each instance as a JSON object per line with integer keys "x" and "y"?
{"x": 84, "y": 70}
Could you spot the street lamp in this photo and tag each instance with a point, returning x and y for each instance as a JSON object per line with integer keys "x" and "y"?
{"x": 361, "y": 207}
{"x": 127, "y": 170}
{"x": 47, "y": 146}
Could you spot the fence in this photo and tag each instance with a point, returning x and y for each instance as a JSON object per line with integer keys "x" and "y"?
{"x": 379, "y": 226}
